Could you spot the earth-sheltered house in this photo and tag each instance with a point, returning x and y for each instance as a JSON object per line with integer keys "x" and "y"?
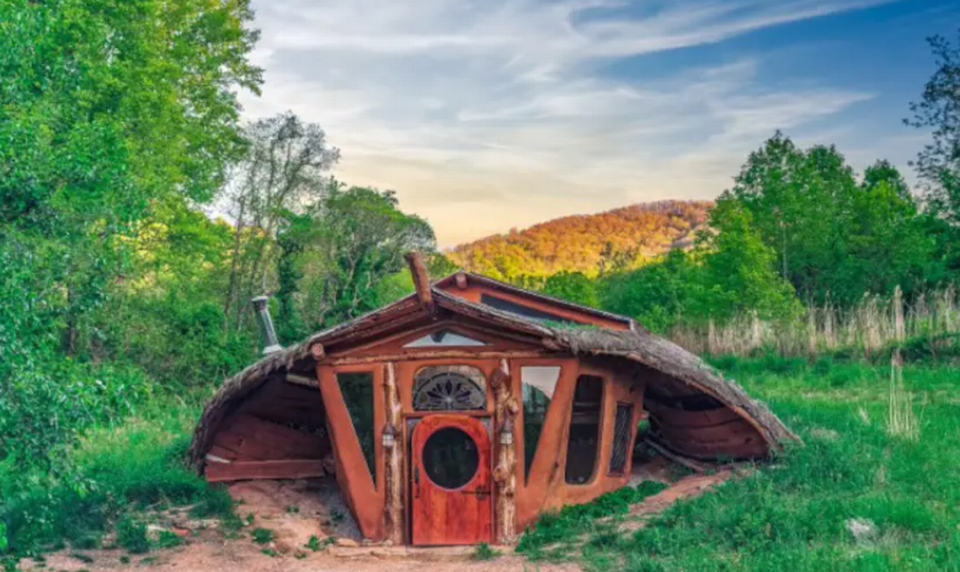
{"x": 458, "y": 414}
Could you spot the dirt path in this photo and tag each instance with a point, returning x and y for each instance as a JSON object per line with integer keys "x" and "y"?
{"x": 243, "y": 556}
{"x": 294, "y": 511}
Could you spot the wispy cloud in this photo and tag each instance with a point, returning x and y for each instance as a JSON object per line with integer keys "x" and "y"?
{"x": 488, "y": 114}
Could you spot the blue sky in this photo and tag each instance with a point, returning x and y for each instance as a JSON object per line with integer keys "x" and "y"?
{"x": 486, "y": 115}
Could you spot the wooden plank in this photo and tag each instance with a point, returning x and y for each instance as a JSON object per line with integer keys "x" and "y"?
{"x": 250, "y": 470}
{"x": 733, "y": 429}
{"x": 415, "y": 354}
{"x": 252, "y": 437}
{"x": 679, "y": 417}
{"x": 293, "y": 443}
{"x": 222, "y": 453}
{"x": 278, "y": 413}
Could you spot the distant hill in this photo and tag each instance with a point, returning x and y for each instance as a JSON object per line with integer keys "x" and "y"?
{"x": 583, "y": 243}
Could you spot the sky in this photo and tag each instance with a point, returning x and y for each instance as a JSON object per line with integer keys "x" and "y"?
{"x": 487, "y": 115}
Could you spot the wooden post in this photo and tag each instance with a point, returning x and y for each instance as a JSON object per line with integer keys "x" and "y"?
{"x": 461, "y": 279}
{"x": 421, "y": 281}
{"x": 393, "y": 461}
{"x": 505, "y": 474}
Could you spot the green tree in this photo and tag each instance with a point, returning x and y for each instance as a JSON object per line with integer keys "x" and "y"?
{"x": 740, "y": 270}
{"x": 938, "y": 164}
{"x": 659, "y": 294}
{"x": 111, "y": 110}
{"x": 352, "y": 252}
{"x": 831, "y": 236}
{"x": 283, "y": 170}
{"x": 573, "y": 286}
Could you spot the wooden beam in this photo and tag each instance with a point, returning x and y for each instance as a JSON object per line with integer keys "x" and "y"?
{"x": 505, "y": 473}
{"x": 437, "y": 354}
{"x": 421, "y": 280}
{"x": 393, "y": 466}
{"x": 302, "y": 380}
{"x": 249, "y": 470}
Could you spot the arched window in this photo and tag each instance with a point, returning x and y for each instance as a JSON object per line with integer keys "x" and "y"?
{"x": 449, "y": 388}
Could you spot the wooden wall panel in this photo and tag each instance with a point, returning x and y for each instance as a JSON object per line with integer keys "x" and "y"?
{"x": 546, "y": 488}
{"x": 365, "y": 499}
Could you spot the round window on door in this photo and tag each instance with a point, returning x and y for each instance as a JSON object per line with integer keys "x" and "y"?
{"x": 450, "y": 458}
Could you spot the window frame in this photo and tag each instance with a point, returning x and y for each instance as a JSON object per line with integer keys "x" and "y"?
{"x": 604, "y": 377}
{"x": 525, "y": 472}
{"x": 376, "y": 475}
{"x": 631, "y": 415}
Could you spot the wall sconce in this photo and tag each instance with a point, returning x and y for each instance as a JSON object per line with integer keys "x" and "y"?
{"x": 506, "y": 431}
{"x": 389, "y": 436}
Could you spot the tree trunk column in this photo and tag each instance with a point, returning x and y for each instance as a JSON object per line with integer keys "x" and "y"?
{"x": 393, "y": 465}
{"x": 505, "y": 474}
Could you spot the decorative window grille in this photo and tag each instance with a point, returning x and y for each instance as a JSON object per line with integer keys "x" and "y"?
{"x": 449, "y": 388}
{"x": 621, "y": 438}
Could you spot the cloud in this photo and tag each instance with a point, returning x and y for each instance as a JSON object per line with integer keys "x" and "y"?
{"x": 490, "y": 114}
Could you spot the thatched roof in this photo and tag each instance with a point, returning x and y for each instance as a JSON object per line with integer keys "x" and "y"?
{"x": 679, "y": 368}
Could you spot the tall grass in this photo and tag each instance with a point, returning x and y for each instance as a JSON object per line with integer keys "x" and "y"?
{"x": 901, "y": 419}
{"x": 794, "y": 514}
{"x": 930, "y": 324}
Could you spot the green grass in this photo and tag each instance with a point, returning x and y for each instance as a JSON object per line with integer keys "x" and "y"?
{"x": 792, "y": 514}
{"x": 555, "y": 534}
{"x": 118, "y": 476}
{"x": 483, "y": 552}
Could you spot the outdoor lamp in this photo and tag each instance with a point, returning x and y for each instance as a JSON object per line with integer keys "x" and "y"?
{"x": 389, "y": 436}
{"x": 506, "y": 431}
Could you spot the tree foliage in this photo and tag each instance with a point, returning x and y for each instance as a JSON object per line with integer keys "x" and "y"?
{"x": 938, "y": 164}
{"x": 591, "y": 244}
{"x": 831, "y": 235}
{"x": 341, "y": 256}
{"x": 112, "y": 111}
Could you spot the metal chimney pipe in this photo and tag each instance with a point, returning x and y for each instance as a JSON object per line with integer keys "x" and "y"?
{"x": 266, "y": 324}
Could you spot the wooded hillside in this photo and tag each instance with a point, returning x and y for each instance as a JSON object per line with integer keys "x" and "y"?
{"x": 620, "y": 238}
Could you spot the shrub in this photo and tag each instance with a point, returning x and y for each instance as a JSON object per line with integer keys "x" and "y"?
{"x": 261, "y": 535}
{"x": 132, "y": 535}
{"x": 167, "y": 539}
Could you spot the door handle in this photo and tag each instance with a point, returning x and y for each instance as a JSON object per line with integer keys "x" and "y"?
{"x": 416, "y": 482}
{"x": 480, "y": 492}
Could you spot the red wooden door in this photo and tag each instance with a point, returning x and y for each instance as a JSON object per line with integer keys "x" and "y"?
{"x": 451, "y": 489}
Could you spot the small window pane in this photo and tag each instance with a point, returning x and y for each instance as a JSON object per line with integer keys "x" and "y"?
{"x": 443, "y": 338}
{"x": 357, "y": 391}
{"x": 449, "y": 388}
{"x": 621, "y": 438}
{"x": 450, "y": 458}
{"x": 538, "y": 386}
{"x": 584, "y": 429}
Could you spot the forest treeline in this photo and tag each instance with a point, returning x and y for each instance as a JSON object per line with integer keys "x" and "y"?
{"x": 621, "y": 238}
{"x": 139, "y": 215}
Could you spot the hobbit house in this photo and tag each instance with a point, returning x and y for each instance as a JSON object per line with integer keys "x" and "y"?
{"x": 458, "y": 414}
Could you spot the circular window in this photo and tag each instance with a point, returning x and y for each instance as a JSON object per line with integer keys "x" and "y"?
{"x": 450, "y": 458}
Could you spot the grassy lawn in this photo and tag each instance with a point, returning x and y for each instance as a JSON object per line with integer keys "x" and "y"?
{"x": 795, "y": 514}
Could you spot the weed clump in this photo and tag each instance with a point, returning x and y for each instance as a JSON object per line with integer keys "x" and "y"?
{"x": 262, "y": 535}
{"x": 132, "y": 535}
{"x": 484, "y": 552}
